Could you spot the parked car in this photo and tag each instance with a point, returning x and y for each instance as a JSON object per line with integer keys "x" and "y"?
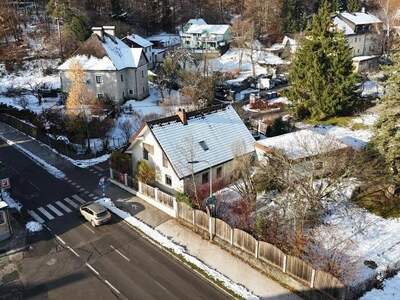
{"x": 95, "y": 213}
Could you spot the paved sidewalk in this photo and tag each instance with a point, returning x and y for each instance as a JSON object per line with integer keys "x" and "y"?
{"x": 209, "y": 253}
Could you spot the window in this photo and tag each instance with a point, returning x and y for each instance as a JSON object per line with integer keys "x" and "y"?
{"x": 203, "y": 145}
{"x": 130, "y": 92}
{"x": 168, "y": 180}
{"x": 204, "y": 178}
{"x": 219, "y": 172}
{"x": 142, "y": 74}
{"x": 99, "y": 79}
{"x": 100, "y": 96}
{"x": 164, "y": 160}
{"x": 145, "y": 154}
{"x": 143, "y": 90}
{"x": 122, "y": 77}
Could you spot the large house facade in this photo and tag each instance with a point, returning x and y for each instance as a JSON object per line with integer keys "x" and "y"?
{"x": 196, "y": 34}
{"x": 113, "y": 70}
{"x": 184, "y": 148}
{"x": 364, "y": 33}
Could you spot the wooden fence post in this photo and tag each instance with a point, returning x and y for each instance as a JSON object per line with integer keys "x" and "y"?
{"x": 210, "y": 227}
{"x": 312, "y": 278}
{"x": 284, "y": 264}
{"x": 156, "y": 194}
{"x": 176, "y": 208}
{"x": 257, "y": 245}
{"x": 193, "y": 214}
{"x": 140, "y": 187}
{"x": 232, "y": 236}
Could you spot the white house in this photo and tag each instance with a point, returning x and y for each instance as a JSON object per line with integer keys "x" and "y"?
{"x": 184, "y": 147}
{"x": 136, "y": 41}
{"x": 364, "y": 33}
{"x": 196, "y": 34}
{"x": 112, "y": 69}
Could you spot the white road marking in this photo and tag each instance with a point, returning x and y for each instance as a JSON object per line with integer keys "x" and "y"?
{"x": 63, "y": 206}
{"x": 60, "y": 239}
{"x": 79, "y": 199}
{"x": 55, "y": 210}
{"x": 119, "y": 252}
{"x": 35, "y": 216}
{"x": 93, "y": 269}
{"x": 73, "y": 183}
{"x": 90, "y": 229}
{"x": 73, "y": 251}
{"x": 91, "y": 195}
{"x": 78, "y": 186}
{"x": 46, "y": 213}
{"x": 81, "y": 189}
{"x": 87, "y": 192}
{"x": 95, "y": 197}
{"x": 70, "y": 202}
{"x": 111, "y": 286}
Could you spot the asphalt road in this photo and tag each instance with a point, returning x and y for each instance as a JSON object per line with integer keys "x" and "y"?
{"x": 75, "y": 260}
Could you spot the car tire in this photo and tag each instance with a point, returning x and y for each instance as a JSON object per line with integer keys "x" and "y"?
{"x": 93, "y": 223}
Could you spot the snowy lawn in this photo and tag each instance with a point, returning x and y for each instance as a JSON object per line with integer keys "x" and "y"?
{"x": 357, "y": 236}
{"x": 32, "y": 103}
{"x": 177, "y": 249}
{"x": 31, "y": 76}
{"x": 390, "y": 290}
{"x": 12, "y": 203}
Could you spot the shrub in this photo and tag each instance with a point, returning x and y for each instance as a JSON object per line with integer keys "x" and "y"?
{"x": 121, "y": 162}
{"x": 183, "y": 197}
{"x": 145, "y": 172}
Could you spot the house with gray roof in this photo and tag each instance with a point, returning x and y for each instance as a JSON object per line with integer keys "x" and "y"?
{"x": 364, "y": 33}
{"x": 113, "y": 70}
{"x": 136, "y": 41}
{"x": 196, "y": 34}
{"x": 192, "y": 148}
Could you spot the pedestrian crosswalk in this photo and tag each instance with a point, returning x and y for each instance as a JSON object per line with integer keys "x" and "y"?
{"x": 56, "y": 209}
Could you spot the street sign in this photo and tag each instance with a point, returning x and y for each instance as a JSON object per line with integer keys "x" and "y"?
{"x": 5, "y": 183}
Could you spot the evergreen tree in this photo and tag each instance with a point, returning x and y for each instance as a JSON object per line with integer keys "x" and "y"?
{"x": 79, "y": 28}
{"x": 294, "y": 16}
{"x": 387, "y": 129}
{"x": 353, "y": 5}
{"x": 322, "y": 78}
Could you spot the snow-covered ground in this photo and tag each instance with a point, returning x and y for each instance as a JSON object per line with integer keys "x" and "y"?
{"x": 359, "y": 236}
{"x": 31, "y": 101}
{"x": 12, "y": 203}
{"x": 229, "y": 62}
{"x": 177, "y": 249}
{"x": 30, "y": 76}
{"x": 371, "y": 88}
{"x": 33, "y": 226}
{"x": 390, "y": 290}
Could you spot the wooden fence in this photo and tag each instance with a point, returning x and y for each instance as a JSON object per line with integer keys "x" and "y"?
{"x": 223, "y": 231}
{"x": 201, "y": 219}
{"x": 323, "y": 284}
{"x": 271, "y": 254}
{"x": 244, "y": 241}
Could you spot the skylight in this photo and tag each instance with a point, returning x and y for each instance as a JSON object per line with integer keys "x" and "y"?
{"x": 203, "y": 145}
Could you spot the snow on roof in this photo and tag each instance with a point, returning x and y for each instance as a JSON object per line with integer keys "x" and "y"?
{"x": 215, "y": 135}
{"x": 141, "y": 41}
{"x": 198, "y": 21}
{"x": 342, "y": 26}
{"x": 360, "y": 18}
{"x": 169, "y": 39}
{"x": 118, "y": 56}
{"x": 89, "y": 63}
{"x": 212, "y": 29}
{"x": 301, "y": 144}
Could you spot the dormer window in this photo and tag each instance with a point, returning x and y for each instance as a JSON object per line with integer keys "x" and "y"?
{"x": 203, "y": 145}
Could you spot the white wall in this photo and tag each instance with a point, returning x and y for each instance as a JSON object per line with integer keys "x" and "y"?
{"x": 156, "y": 160}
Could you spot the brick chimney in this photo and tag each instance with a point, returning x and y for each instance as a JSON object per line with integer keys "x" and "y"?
{"x": 98, "y": 31}
{"x": 181, "y": 113}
